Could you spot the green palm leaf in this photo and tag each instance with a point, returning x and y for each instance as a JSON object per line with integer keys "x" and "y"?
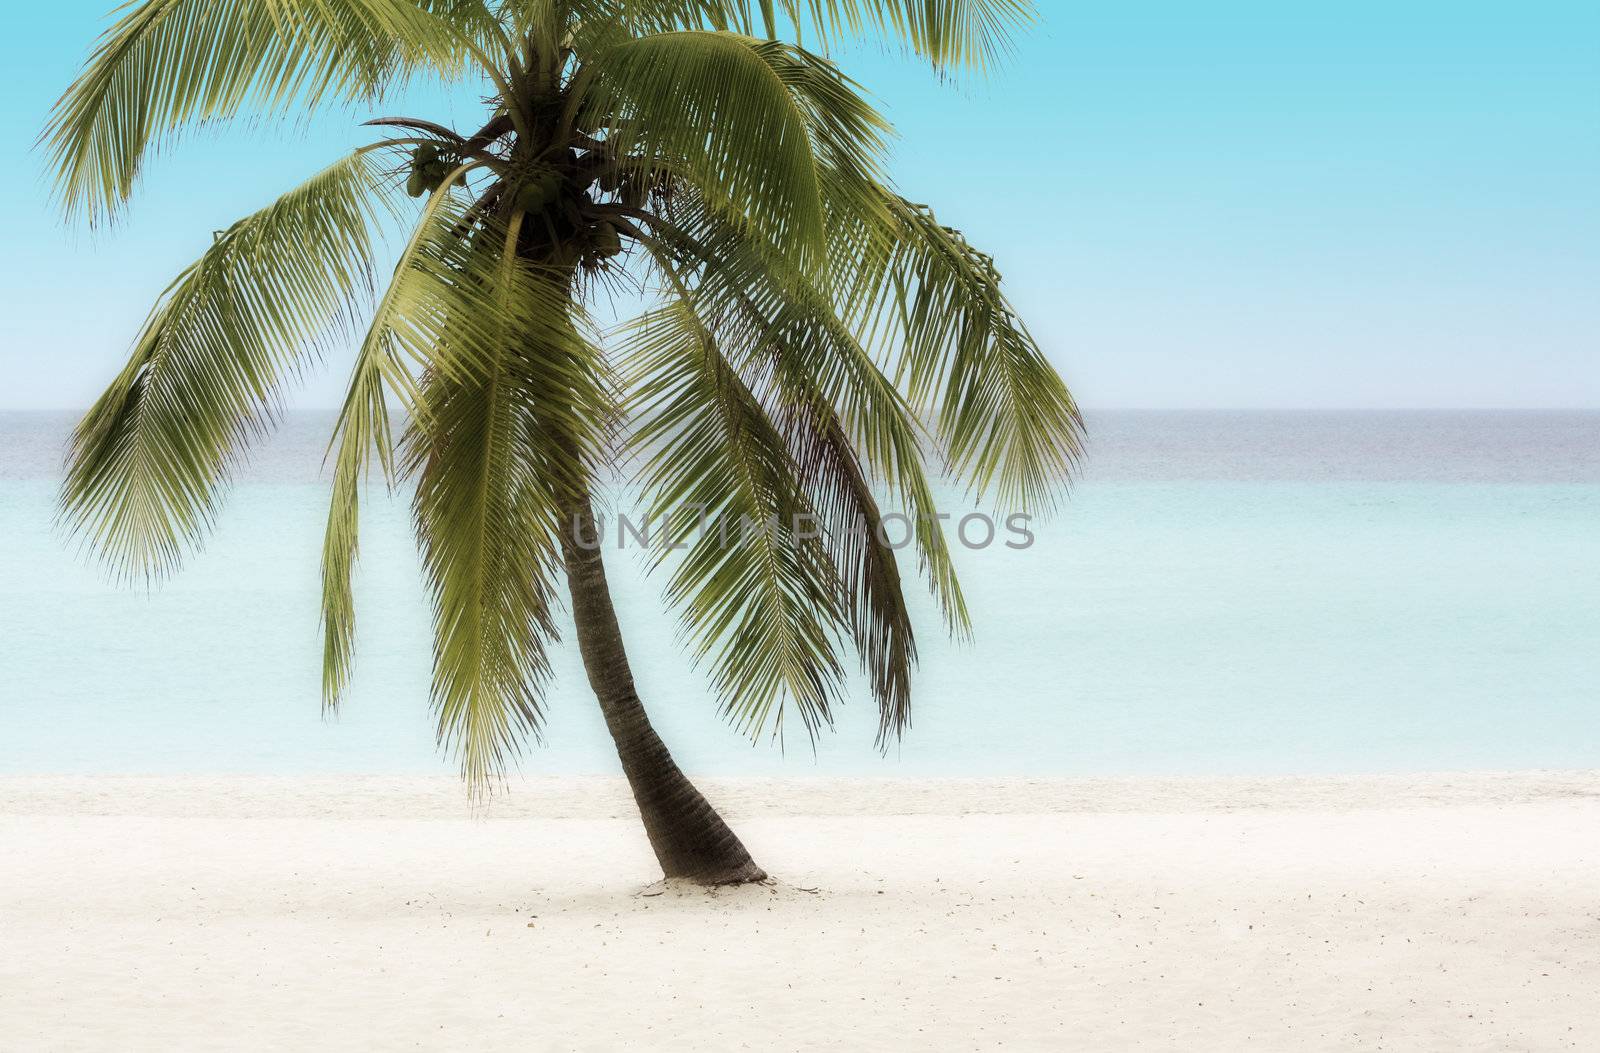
{"x": 857, "y": 541}
{"x": 170, "y": 63}
{"x": 759, "y": 599}
{"x": 972, "y": 33}
{"x": 363, "y": 429}
{"x": 499, "y": 444}
{"x": 741, "y": 118}
{"x": 1010, "y": 425}
{"x": 502, "y": 427}
{"x": 776, "y": 321}
{"x": 150, "y": 459}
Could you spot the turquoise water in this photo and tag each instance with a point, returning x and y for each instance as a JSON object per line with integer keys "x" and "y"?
{"x": 1247, "y": 593}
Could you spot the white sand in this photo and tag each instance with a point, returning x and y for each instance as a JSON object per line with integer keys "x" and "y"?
{"x": 1405, "y": 913}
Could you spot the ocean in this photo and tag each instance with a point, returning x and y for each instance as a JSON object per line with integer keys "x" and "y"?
{"x": 1250, "y": 593}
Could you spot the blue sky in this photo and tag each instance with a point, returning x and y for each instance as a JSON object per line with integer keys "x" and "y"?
{"x": 1232, "y": 204}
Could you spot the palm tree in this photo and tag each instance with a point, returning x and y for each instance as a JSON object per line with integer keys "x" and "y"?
{"x": 811, "y": 339}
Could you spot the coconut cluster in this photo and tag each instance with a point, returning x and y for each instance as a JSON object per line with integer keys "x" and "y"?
{"x": 540, "y": 193}
{"x": 547, "y": 194}
{"x": 429, "y": 169}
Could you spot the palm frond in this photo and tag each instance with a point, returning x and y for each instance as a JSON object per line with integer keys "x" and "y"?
{"x": 170, "y": 63}
{"x": 505, "y": 426}
{"x": 1010, "y": 426}
{"x": 853, "y": 526}
{"x": 758, "y": 596}
{"x": 150, "y": 459}
{"x": 363, "y": 429}
{"x": 741, "y": 118}
{"x": 975, "y": 34}
{"x": 777, "y": 321}
{"x": 972, "y": 33}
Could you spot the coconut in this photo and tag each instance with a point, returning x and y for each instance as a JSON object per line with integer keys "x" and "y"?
{"x": 535, "y": 196}
{"x": 437, "y": 171}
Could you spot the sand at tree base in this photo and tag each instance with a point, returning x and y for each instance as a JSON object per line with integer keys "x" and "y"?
{"x": 1396, "y": 913}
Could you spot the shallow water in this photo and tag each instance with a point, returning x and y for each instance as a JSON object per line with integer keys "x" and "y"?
{"x": 1251, "y": 592}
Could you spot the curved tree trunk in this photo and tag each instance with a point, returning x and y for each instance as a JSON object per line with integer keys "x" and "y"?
{"x": 689, "y": 837}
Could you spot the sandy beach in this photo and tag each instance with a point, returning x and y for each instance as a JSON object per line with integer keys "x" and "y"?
{"x": 1398, "y": 913}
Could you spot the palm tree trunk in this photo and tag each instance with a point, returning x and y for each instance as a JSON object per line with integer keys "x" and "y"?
{"x": 690, "y": 839}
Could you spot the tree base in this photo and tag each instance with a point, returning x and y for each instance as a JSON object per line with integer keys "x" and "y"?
{"x": 744, "y": 874}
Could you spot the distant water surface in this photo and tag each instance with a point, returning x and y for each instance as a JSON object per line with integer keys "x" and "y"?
{"x": 1225, "y": 592}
